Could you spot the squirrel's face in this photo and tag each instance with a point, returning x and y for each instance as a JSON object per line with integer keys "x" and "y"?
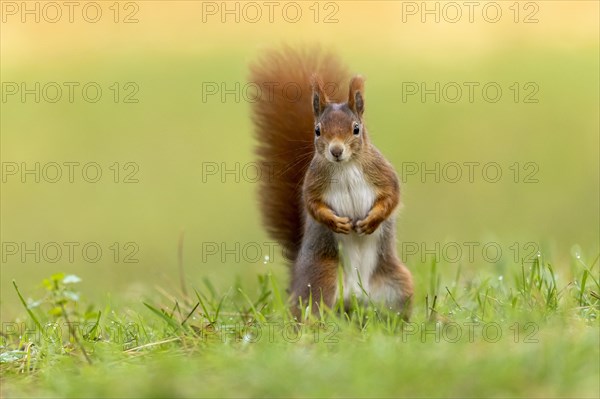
{"x": 339, "y": 132}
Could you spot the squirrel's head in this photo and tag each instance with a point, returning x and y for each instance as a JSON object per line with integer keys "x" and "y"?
{"x": 339, "y": 130}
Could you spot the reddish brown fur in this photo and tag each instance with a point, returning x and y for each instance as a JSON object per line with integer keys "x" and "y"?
{"x": 284, "y": 131}
{"x": 292, "y": 204}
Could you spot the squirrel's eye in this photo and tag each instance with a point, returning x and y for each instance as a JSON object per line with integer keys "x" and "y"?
{"x": 356, "y": 129}
{"x": 318, "y": 130}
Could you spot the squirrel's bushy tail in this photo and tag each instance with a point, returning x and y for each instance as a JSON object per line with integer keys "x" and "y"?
{"x": 284, "y": 131}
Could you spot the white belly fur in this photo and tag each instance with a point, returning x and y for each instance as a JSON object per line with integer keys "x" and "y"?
{"x": 349, "y": 194}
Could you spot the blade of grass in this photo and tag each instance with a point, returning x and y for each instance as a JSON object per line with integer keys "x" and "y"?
{"x": 453, "y": 300}
{"x": 277, "y": 300}
{"x": 93, "y": 329}
{"x": 204, "y": 309}
{"x": 172, "y": 323}
{"x": 190, "y": 314}
{"x": 35, "y": 320}
{"x": 340, "y": 301}
{"x": 257, "y": 315}
{"x": 582, "y": 287}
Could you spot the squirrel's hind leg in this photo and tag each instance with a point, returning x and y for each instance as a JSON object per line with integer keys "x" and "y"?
{"x": 392, "y": 284}
{"x": 314, "y": 275}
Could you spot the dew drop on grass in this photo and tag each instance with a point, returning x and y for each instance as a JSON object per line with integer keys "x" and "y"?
{"x": 500, "y": 278}
{"x": 266, "y": 259}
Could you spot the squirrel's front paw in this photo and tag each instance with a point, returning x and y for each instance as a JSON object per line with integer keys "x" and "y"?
{"x": 368, "y": 225}
{"x": 342, "y": 225}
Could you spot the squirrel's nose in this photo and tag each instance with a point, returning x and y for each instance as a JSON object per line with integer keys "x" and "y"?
{"x": 336, "y": 150}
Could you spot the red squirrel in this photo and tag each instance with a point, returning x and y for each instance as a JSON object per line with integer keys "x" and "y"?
{"x": 332, "y": 195}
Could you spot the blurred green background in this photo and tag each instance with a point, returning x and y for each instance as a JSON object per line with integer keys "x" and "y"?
{"x": 173, "y": 136}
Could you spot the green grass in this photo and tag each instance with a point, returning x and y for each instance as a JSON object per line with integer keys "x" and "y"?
{"x": 147, "y": 337}
{"x": 525, "y": 333}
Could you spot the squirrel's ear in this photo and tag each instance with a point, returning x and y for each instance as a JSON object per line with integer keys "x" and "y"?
{"x": 319, "y": 98}
{"x": 356, "y": 100}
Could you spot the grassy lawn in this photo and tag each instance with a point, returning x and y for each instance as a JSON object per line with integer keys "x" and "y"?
{"x": 530, "y": 333}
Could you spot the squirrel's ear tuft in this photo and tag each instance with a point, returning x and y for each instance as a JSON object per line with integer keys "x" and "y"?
{"x": 356, "y": 100}
{"x": 319, "y": 98}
